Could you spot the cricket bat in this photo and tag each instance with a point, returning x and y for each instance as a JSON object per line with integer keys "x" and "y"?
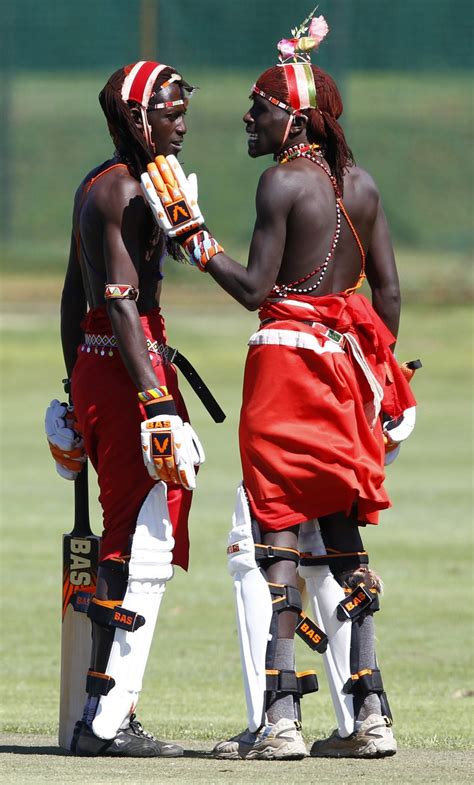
{"x": 80, "y": 562}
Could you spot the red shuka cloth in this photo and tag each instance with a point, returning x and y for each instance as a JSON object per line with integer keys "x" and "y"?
{"x": 109, "y": 413}
{"x": 307, "y": 447}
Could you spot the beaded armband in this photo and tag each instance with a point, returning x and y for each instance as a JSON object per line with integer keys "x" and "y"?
{"x": 120, "y": 291}
{"x": 157, "y": 401}
{"x": 201, "y": 247}
{"x": 153, "y": 395}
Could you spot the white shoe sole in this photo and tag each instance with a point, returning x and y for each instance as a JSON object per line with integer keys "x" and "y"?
{"x": 291, "y": 751}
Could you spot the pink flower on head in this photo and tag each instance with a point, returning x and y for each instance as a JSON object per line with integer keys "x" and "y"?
{"x": 318, "y": 29}
{"x": 286, "y": 46}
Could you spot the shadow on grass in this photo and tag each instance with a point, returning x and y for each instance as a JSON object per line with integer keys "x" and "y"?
{"x": 18, "y": 749}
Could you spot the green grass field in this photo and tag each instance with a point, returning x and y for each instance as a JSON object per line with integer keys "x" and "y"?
{"x": 193, "y": 684}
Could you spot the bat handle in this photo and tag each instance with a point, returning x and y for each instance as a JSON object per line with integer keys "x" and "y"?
{"x": 81, "y": 502}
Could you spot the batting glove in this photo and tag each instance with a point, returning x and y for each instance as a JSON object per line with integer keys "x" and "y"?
{"x": 172, "y": 196}
{"x": 65, "y": 443}
{"x": 171, "y": 450}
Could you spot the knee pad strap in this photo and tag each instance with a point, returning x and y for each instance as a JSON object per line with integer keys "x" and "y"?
{"x": 365, "y": 682}
{"x": 110, "y": 613}
{"x": 311, "y": 634}
{"x": 337, "y": 561}
{"x": 296, "y": 683}
{"x": 98, "y": 684}
{"x": 266, "y": 555}
{"x": 356, "y": 602}
{"x": 285, "y": 597}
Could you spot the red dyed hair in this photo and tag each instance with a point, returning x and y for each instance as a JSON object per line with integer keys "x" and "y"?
{"x": 128, "y": 139}
{"x": 322, "y": 122}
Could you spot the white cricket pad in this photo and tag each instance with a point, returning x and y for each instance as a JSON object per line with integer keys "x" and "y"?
{"x": 399, "y": 433}
{"x": 149, "y": 570}
{"x": 254, "y": 609}
{"x": 325, "y": 594}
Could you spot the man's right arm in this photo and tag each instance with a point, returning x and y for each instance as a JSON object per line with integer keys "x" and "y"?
{"x": 250, "y": 285}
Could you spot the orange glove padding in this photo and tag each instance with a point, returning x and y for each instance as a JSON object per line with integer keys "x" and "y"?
{"x": 172, "y": 196}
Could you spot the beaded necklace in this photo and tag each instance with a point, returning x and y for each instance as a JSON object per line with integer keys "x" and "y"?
{"x": 313, "y": 153}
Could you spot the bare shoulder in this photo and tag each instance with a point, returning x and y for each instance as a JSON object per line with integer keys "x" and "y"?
{"x": 277, "y": 183}
{"x": 360, "y": 183}
{"x": 270, "y": 177}
{"x": 117, "y": 190}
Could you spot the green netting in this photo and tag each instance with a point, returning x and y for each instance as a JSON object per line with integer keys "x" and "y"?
{"x": 365, "y": 34}
{"x": 402, "y": 66}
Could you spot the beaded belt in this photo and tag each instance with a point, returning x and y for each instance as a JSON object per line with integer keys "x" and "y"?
{"x": 102, "y": 344}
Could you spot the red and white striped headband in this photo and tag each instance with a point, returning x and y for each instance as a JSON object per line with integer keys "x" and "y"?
{"x": 301, "y": 88}
{"x": 138, "y": 84}
{"x": 301, "y": 85}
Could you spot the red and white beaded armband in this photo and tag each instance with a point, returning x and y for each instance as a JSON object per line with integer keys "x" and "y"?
{"x": 120, "y": 291}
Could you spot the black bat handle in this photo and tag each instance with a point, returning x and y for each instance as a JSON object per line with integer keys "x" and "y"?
{"x": 82, "y": 527}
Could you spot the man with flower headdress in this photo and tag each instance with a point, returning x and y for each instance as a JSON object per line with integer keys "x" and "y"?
{"x": 322, "y": 398}
{"x": 132, "y": 421}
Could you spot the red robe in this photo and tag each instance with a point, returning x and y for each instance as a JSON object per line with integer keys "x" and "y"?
{"x": 310, "y": 432}
{"x": 109, "y": 413}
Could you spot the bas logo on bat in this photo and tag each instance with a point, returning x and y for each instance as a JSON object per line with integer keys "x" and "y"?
{"x": 80, "y": 565}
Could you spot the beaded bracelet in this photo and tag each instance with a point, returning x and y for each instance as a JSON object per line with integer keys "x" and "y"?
{"x": 201, "y": 247}
{"x": 153, "y": 394}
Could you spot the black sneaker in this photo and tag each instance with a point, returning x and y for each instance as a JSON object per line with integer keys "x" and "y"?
{"x": 131, "y": 742}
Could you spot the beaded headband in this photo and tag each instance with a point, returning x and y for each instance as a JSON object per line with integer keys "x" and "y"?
{"x": 295, "y": 59}
{"x": 138, "y": 87}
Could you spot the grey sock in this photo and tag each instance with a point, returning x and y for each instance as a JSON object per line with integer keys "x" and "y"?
{"x": 284, "y": 660}
{"x": 371, "y": 703}
{"x": 90, "y": 709}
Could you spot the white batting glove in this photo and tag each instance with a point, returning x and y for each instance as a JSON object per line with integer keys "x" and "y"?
{"x": 396, "y": 431}
{"x": 172, "y": 196}
{"x": 66, "y": 445}
{"x": 171, "y": 450}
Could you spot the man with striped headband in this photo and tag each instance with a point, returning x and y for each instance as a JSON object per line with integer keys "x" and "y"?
{"x": 132, "y": 421}
{"x": 322, "y": 397}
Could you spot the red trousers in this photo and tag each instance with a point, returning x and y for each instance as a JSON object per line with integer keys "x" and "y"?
{"x": 109, "y": 414}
